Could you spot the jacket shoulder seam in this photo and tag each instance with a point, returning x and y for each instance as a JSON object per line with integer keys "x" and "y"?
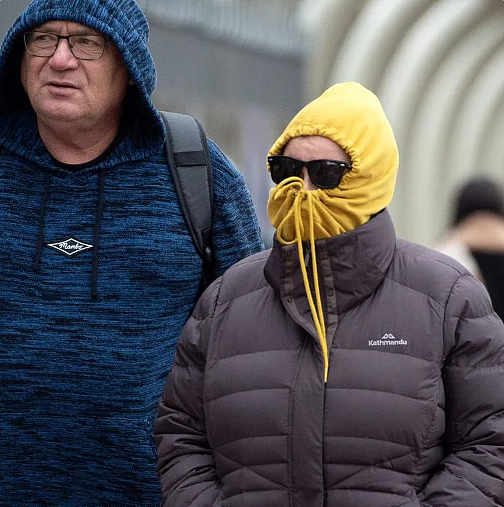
{"x": 235, "y": 297}
{"x": 430, "y": 296}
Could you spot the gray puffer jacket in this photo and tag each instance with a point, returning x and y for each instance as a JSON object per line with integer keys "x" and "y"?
{"x": 413, "y": 410}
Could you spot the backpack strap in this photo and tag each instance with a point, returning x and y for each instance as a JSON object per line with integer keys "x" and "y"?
{"x": 191, "y": 169}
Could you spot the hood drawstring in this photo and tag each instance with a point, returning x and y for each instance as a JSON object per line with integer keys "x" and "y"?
{"x": 96, "y": 237}
{"x": 40, "y": 241}
{"x": 296, "y": 185}
{"x": 96, "y": 232}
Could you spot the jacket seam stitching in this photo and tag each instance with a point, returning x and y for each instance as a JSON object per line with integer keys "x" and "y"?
{"x": 450, "y": 294}
{"x": 431, "y": 425}
{"x": 459, "y": 274}
{"x": 472, "y": 484}
{"x": 216, "y": 301}
{"x": 385, "y": 273}
{"x": 430, "y": 296}
{"x": 236, "y": 298}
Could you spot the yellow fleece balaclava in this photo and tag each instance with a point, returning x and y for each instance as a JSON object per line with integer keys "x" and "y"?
{"x": 352, "y": 117}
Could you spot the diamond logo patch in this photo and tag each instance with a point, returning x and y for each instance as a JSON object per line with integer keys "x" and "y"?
{"x": 70, "y": 247}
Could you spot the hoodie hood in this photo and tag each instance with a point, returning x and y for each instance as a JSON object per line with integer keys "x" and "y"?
{"x": 124, "y": 22}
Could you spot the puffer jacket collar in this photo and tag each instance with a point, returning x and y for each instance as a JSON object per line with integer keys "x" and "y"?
{"x": 350, "y": 268}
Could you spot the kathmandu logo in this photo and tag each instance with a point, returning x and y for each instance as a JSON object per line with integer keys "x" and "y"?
{"x": 70, "y": 247}
{"x": 387, "y": 339}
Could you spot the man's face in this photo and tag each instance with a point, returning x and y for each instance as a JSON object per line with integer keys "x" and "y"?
{"x": 66, "y": 89}
{"x": 314, "y": 148}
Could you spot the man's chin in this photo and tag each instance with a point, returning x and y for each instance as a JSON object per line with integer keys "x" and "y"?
{"x": 61, "y": 113}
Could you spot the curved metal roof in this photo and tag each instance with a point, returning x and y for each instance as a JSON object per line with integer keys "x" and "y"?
{"x": 437, "y": 67}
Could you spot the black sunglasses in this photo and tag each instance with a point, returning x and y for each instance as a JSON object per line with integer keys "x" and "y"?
{"x": 324, "y": 173}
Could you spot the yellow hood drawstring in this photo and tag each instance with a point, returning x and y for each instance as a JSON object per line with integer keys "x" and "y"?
{"x": 296, "y": 187}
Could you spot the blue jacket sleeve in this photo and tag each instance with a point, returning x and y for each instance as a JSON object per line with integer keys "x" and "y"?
{"x": 236, "y": 231}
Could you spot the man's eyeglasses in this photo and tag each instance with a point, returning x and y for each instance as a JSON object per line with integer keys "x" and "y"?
{"x": 323, "y": 173}
{"x": 83, "y": 46}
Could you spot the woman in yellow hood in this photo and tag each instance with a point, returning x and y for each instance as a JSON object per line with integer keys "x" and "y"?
{"x": 345, "y": 124}
{"x": 344, "y": 367}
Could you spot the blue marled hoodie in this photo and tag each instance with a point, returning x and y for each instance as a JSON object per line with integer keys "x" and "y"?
{"x": 80, "y": 377}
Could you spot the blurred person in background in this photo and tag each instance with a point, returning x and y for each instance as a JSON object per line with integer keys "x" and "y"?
{"x": 98, "y": 272}
{"x": 476, "y": 235}
{"x": 344, "y": 367}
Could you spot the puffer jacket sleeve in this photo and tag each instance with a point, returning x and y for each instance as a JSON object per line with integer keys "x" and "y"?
{"x": 472, "y": 472}
{"x": 185, "y": 465}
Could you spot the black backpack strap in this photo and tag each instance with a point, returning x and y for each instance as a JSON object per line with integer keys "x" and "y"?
{"x": 189, "y": 161}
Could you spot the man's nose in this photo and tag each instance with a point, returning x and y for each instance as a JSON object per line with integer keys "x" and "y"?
{"x": 63, "y": 56}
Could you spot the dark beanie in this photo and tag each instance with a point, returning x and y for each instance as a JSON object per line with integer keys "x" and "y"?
{"x": 480, "y": 193}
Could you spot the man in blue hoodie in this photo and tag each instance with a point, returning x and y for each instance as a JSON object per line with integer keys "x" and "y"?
{"x": 98, "y": 272}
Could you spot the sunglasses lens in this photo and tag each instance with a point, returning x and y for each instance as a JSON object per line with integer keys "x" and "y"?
{"x": 326, "y": 173}
{"x": 282, "y": 168}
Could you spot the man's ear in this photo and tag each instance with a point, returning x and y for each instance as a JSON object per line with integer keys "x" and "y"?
{"x": 130, "y": 81}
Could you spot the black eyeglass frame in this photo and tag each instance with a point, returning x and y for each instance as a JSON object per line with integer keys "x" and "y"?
{"x": 67, "y": 37}
{"x": 335, "y": 169}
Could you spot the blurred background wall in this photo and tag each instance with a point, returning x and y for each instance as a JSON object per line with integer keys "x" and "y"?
{"x": 245, "y": 67}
